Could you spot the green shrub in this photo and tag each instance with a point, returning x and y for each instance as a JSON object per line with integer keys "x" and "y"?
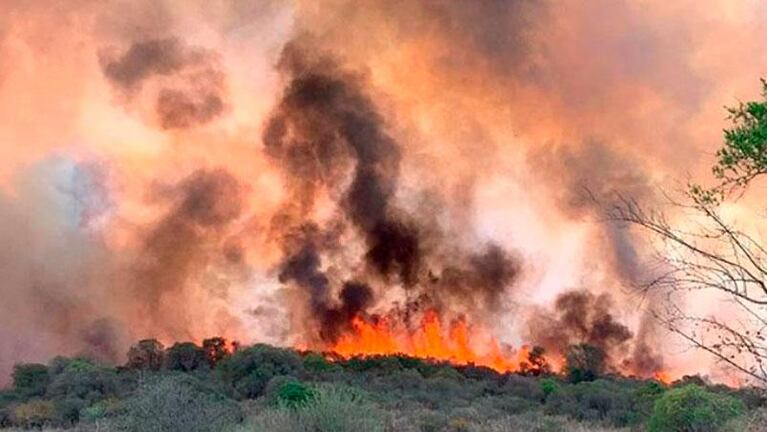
{"x": 272, "y": 390}
{"x": 584, "y": 363}
{"x": 338, "y": 409}
{"x": 293, "y": 394}
{"x": 35, "y": 414}
{"x": 61, "y": 364}
{"x": 249, "y": 370}
{"x": 85, "y": 381}
{"x": 693, "y": 409}
{"x": 177, "y": 403}
{"x": 644, "y": 399}
{"x": 30, "y": 379}
{"x": 147, "y": 354}
{"x": 334, "y": 409}
{"x": 103, "y": 409}
{"x": 600, "y": 400}
{"x": 316, "y": 363}
{"x": 185, "y": 357}
{"x": 430, "y": 420}
{"x": 548, "y": 386}
{"x": 448, "y": 372}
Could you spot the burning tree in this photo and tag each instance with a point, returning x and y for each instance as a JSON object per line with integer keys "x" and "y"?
{"x": 715, "y": 255}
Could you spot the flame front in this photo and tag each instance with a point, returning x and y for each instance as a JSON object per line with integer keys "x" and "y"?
{"x": 457, "y": 342}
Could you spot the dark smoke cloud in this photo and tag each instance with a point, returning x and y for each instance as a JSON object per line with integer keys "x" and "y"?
{"x": 325, "y": 126}
{"x": 186, "y": 83}
{"x": 184, "y": 241}
{"x": 579, "y": 317}
{"x": 480, "y": 279}
{"x": 328, "y": 135}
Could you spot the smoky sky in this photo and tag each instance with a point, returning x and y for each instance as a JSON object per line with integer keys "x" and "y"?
{"x": 365, "y": 151}
{"x": 193, "y": 91}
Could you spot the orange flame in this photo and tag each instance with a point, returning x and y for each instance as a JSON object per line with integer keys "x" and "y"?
{"x": 663, "y": 376}
{"x": 457, "y": 343}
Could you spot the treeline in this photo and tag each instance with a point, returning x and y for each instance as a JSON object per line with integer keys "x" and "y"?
{"x": 218, "y": 386}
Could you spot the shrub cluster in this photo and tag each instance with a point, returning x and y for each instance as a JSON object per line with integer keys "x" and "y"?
{"x": 210, "y": 387}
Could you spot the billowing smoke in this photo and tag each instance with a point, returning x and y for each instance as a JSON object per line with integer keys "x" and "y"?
{"x": 184, "y": 243}
{"x": 579, "y": 317}
{"x": 403, "y": 156}
{"x": 186, "y": 83}
{"x": 592, "y": 179}
{"x": 329, "y": 137}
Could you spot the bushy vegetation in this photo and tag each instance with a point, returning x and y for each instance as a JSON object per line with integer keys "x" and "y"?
{"x": 192, "y": 388}
{"x": 693, "y": 409}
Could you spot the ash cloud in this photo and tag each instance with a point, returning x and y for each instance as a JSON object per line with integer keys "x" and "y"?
{"x": 186, "y": 84}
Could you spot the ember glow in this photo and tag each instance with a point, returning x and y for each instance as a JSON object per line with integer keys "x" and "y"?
{"x": 357, "y": 176}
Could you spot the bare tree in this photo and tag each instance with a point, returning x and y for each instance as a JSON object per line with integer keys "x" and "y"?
{"x": 709, "y": 253}
{"x": 714, "y": 256}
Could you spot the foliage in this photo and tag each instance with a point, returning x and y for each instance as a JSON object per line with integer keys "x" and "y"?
{"x": 315, "y": 363}
{"x": 215, "y": 350}
{"x": 744, "y": 153}
{"x": 536, "y": 363}
{"x": 30, "y": 379}
{"x": 334, "y": 409}
{"x": 106, "y": 408}
{"x": 548, "y": 386}
{"x": 249, "y": 370}
{"x": 35, "y": 414}
{"x": 177, "y": 403}
{"x": 147, "y": 354}
{"x": 293, "y": 394}
{"x": 84, "y": 381}
{"x": 186, "y": 356}
{"x": 644, "y": 398}
{"x": 693, "y": 409}
{"x": 584, "y": 363}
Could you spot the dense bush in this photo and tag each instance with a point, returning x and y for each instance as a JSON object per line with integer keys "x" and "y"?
{"x": 693, "y": 409}
{"x": 196, "y": 387}
{"x": 293, "y": 394}
{"x": 249, "y": 370}
{"x": 35, "y": 414}
{"x": 177, "y": 403}
{"x": 186, "y": 356}
{"x": 85, "y": 381}
{"x": 599, "y": 400}
{"x": 147, "y": 354}
{"x": 334, "y": 409}
{"x": 30, "y": 379}
{"x": 584, "y": 363}
{"x": 317, "y": 364}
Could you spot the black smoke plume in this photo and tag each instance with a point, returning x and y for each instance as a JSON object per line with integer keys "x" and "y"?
{"x": 327, "y": 134}
{"x": 579, "y": 317}
{"x": 185, "y": 83}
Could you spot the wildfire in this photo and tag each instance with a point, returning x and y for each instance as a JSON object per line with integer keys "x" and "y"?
{"x": 458, "y": 343}
{"x": 663, "y": 377}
